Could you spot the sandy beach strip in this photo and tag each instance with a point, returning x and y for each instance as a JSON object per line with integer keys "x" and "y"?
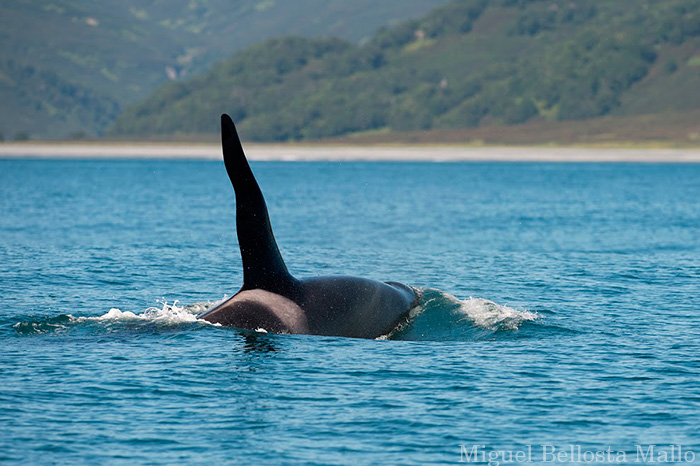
{"x": 293, "y": 152}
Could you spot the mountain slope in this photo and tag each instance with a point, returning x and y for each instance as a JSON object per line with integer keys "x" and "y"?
{"x": 68, "y": 66}
{"x": 466, "y": 64}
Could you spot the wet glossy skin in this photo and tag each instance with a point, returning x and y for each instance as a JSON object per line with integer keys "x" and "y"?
{"x": 272, "y": 299}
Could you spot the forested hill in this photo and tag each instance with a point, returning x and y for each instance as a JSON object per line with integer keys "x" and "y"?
{"x": 469, "y": 63}
{"x": 68, "y": 66}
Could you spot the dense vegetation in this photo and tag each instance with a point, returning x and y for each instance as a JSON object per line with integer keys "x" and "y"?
{"x": 465, "y": 64}
{"x": 68, "y": 66}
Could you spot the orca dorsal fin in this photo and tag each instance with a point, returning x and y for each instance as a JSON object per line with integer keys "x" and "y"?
{"x": 263, "y": 266}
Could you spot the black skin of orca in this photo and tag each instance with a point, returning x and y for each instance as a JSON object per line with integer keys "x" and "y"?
{"x": 272, "y": 299}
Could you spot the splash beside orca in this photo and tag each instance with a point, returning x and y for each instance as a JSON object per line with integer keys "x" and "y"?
{"x": 272, "y": 299}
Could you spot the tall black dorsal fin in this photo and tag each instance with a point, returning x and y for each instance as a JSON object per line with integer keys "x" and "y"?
{"x": 263, "y": 266}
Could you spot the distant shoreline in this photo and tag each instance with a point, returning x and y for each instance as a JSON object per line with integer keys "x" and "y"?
{"x": 333, "y": 152}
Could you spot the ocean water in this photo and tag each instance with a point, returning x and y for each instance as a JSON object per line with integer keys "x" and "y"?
{"x": 559, "y": 314}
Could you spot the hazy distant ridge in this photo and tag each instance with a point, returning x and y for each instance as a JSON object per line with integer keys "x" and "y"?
{"x": 67, "y": 67}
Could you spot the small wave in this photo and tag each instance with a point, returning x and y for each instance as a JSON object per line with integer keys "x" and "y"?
{"x": 491, "y": 316}
{"x": 42, "y": 326}
{"x": 440, "y": 316}
{"x": 163, "y": 317}
{"x": 169, "y": 314}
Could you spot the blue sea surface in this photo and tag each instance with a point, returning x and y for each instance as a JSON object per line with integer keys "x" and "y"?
{"x": 560, "y": 310}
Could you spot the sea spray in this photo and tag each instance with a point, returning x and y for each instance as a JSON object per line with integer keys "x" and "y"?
{"x": 166, "y": 316}
{"x": 439, "y": 316}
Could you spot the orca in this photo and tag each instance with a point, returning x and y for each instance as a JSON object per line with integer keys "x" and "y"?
{"x": 272, "y": 299}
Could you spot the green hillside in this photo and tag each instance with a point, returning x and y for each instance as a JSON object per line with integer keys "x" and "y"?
{"x": 69, "y": 66}
{"x": 470, "y": 63}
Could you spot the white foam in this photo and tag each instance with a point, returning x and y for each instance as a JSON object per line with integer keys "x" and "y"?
{"x": 489, "y": 315}
{"x": 167, "y": 314}
{"x": 478, "y": 312}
